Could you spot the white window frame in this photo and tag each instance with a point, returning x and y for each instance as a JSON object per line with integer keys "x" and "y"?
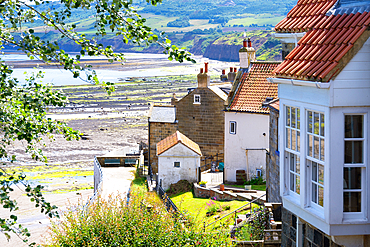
{"x": 197, "y": 99}
{"x": 290, "y": 150}
{"x": 312, "y": 159}
{"x": 357, "y": 215}
{"x": 230, "y": 129}
{"x": 174, "y": 164}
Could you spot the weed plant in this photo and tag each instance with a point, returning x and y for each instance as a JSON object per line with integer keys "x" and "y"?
{"x": 143, "y": 221}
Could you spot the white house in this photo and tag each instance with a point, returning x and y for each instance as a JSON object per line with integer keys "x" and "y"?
{"x": 178, "y": 159}
{"x": 247, "y": 120}
{"x": 324, "y": 91}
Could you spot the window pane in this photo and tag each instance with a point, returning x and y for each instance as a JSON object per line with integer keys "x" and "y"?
{"x": 352, "y": 202}
{"x": 322, "y": 149}
{"x": 352, "y": 178}
{"x": 316, "y": 123}
{"x": 314, "y": 171}
{"x": 314, "y": 192}
{"x": 321, "y": 174}
{"x": 294, "y": 140}
{"x": 292, "y": 181}
{"x": 321, "y": 196}
{"x": 353, "y": 127}
{"x": 288, "y": 116}
{"x": 297, "y": 186}
{"x": 292, "y": 162}
{"x": 309, "y": 122}
{"x": 316, "y": 147}
{"x": 293, "y": 117}
{"x": 298, "y": 119}
{"x": 298, "y": 141}
{"x": 353, "y": 152}
{"x": 322, "y": 125}
{"x": 288, "y": 138}
{"x": 309, "y": 151}
{"x": 297, "y": 165}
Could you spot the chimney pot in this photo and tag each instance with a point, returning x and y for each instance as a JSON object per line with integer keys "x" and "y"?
{"x": 231, "y": 69}
{"x": 201, "y": 70}
{"x": 249, "y": 42}
{"x": 244, "y": 43}
{"x": 223, "y": 72}
{"x": 205, "y": 67}
{"x": 235, "y": 69}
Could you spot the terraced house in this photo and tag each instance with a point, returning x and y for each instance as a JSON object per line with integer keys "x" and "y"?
{"x": 246, "y": 118}
{"x": 324, "y": 91}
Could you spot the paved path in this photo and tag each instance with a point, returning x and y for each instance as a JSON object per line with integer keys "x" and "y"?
{"x": 116, "y": 180}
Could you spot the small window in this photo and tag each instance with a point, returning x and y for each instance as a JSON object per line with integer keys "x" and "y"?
{"x": 176, "y": 164}
{"x": 232, "y": 127}
{"x": 196, "y": 99}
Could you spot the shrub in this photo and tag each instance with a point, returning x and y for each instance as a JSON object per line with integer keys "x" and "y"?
{"x": 114, "y": 223}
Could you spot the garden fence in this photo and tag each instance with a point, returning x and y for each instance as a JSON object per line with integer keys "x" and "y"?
{"x": 171, "y": 207}
{"x": 98, "y": 185}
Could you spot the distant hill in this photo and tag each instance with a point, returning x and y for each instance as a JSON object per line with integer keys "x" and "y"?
{"x": 212, "y": 28}
{"x": 226, "y": 48}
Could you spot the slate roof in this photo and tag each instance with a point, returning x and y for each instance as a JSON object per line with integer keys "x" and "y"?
{"x": 162, "y": 114}
{"x": 321, "y": 53}
{"x": 254, "y": 88}
{"x": 218, "y": 91}
{"x": 304, "y": 15}
{"x": 174, "y": 139}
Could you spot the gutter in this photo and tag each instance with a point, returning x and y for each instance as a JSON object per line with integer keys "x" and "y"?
{"x": 294, "y": 82}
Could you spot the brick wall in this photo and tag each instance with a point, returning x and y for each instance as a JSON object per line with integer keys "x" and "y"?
{"x": 158, "y": 132}
{"x": 311, "y": 236}
{"x": 272, "y": 160}
{"x": 203, "y": 123}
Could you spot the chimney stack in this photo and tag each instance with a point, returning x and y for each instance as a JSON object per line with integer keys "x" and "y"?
{"x": 247, "y": 54}
{"x": 231, "y": 74}
{"x": 203, "y": 78}
{"x": 223, "y": 77}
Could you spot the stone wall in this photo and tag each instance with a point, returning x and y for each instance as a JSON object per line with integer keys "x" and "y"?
{"x": 272, "y": 160}
{"x": 311, "y": 236}
{"x": 203, "y": 123}
{"x": 158, "y": 132}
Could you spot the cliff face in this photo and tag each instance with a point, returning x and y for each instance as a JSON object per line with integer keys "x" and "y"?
{"x": 228, "y": 53}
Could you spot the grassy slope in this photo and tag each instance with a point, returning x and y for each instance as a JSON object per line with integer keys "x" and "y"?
{"x": 197, "y": 207}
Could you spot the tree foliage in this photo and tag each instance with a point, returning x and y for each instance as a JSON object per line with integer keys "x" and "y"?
{"x": 23, "y": 104}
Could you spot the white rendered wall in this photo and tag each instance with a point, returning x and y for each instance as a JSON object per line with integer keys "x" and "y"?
{"x": 249, "y": 134}
{"x": 189, "y": 162}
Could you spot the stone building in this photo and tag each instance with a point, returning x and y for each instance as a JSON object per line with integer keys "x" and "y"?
{"x": 324, "y": 124}
{"x": 161, "y": 123}
{"x": 200, "y": 115}
{"x": 272, "y": 158}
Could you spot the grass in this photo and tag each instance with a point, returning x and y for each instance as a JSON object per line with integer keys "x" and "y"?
{"x": 254, "y": 187}
{"x": 197, "y": 207}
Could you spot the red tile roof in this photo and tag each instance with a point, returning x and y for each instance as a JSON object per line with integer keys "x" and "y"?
{"x": 174, "y": 139}
{"x": 319, "y": 53}
{"x": 305, "y": 15}
{"x": 254, "y": 88}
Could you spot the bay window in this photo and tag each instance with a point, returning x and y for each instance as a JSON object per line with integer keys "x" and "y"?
{"x": 315, "y": 156}
{"x": 354, "y": 165}
{"x": 292, "y": 148}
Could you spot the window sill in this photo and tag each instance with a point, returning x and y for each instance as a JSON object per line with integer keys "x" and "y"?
{"x": 196, "y": 103}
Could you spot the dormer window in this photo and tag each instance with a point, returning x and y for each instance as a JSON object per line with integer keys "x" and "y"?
{"x": 196, "y": 99}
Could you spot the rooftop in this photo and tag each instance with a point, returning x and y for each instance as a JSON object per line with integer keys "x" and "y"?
{"x": 304, "y": 16}
{"x": 174, "y": 139}
{"x": 254, "y": 88}
{"x": 324, "y": 50}
{"x": 162, "y": 114}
